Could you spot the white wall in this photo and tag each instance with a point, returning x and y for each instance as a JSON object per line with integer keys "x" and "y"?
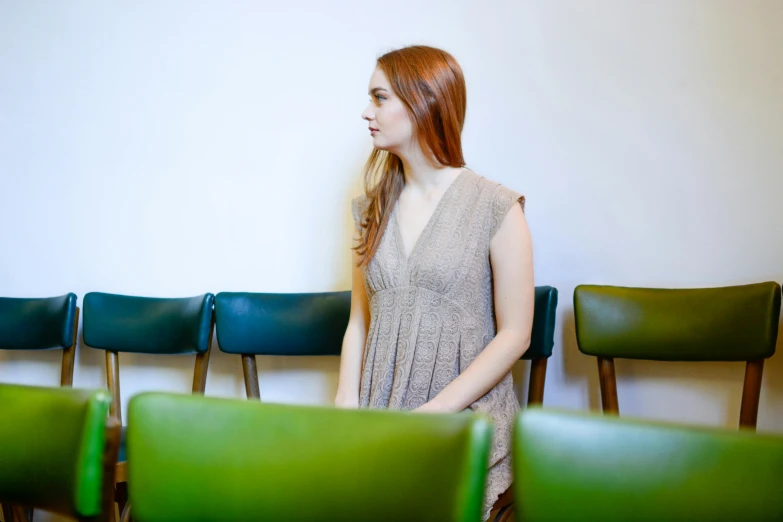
{"x": 169, "y": 149}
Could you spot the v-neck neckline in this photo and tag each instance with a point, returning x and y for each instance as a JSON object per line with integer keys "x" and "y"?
{"x": 425, "y": 231}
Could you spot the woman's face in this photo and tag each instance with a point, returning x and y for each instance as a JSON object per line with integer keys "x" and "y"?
{"x": 390, "y": 125}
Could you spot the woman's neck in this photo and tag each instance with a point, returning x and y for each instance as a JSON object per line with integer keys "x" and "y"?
{"x": 421, "y": 176}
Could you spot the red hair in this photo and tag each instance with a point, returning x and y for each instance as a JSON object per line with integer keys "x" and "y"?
{"x": 430, "y": 84}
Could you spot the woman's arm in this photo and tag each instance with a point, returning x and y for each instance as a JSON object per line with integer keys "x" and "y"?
{"x": 511, "y": 256}
{"x": 353, "y": 342}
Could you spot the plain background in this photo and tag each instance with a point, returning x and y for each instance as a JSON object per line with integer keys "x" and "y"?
{"x": 176, "y": 148}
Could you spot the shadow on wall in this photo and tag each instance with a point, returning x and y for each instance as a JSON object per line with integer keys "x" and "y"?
{"x": 343, "y": 250}
{"x": 48, "y": 364}
{"x": 771, "y": 403}
{"x": 576, "y": 366}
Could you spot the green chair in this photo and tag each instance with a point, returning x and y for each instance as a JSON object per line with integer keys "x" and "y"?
{"x": 542, "y": 340}
{"x": 590, "y": 467}
{"x": 119, "y": 323}
{"x": 41, "y": 324}
{"x": 57, "y": 452}
{"x": 736, "y": 323}
{"x": 250, "y": 324}
{"x": 202, "y": 458}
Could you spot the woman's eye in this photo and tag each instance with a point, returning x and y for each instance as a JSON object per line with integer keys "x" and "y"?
{"x": 379, "y": 97}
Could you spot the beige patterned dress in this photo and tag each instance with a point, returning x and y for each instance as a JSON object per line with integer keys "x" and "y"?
{"x": 433, "y": 313}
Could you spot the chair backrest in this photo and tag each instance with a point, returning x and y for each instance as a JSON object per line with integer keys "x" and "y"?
{"x": 282, "y": 324}
{"x": 587, "y": 467}
{"x": 542, "y": 338}
{"x": 149, "y": 325}
{"x": 52, "y": 447}
{"x": 41, "y": 324}
{"x": 257, "y": 461}
{"x": 736, "y": 323}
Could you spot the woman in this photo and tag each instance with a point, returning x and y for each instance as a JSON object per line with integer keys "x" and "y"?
{"x": 442, "y": 301}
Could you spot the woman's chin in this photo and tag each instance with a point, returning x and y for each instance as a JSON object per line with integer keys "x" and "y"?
{"x": 381, "y": 145}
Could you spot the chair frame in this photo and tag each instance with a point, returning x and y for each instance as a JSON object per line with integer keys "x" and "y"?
{"x": 200, "y": 370}
{"x": 249, "y": 366}
{"x": 751, "y": 388}
{"x": 66, "y": 380}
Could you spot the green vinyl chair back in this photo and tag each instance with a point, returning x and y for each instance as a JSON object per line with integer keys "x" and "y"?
{"x": 542, "y": 340}
{"x": 737, "y": 323}
{"x": 53, "y": 446}
{"x": 148, "y": 325}
{"x": 250, "y": 324}
{"x": 41, "y": 324}
{"x": 258, "y": 461}
{"x": 588, "y": 467}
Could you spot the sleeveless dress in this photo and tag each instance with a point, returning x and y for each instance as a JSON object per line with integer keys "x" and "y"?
{"x": 432, "y": 313}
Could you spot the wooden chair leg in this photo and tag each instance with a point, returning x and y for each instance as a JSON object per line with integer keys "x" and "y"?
{"x": 8, "y": 513}
{"x": 202, "y": 363}
{"x": 20, "y": 513}
{"x": 115, "y": 492}
{"x": 121, "y": 495}
{"x": 111, "y": 448}
{"x": 506, "y": 514}
{"x": 200, "y": 372}
{"x": 125, "y": 515}
{"x": 751, "y": 392}
{"x": 69, "y": 355}
{"x": 608, "y": 385}
{"x": 251, "y": 376}
{"x": 535, "y": 393}
{"x": 113, "y": 380}
{"x": 503, "y": 505}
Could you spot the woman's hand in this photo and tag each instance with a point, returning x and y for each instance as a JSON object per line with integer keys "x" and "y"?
{"x": 343, "y": 401}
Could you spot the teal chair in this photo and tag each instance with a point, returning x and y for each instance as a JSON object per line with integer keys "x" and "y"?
{"x": 250, "y": 324}
{"x": 542, "y": 340}
{"x": 736, "y": 323}
{"x": 146, "y": 325}
{"x": 57, "y": 452}
{"x": 590, "y": 467}
{"x": 41, "y": 324}
{"x": 202, "y": 458}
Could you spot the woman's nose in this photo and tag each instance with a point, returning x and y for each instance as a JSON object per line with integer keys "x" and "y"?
{"x": 368, "y": 113}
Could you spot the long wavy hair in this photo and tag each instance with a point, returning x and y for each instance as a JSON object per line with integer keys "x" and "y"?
{"x": 431, "y": 85}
